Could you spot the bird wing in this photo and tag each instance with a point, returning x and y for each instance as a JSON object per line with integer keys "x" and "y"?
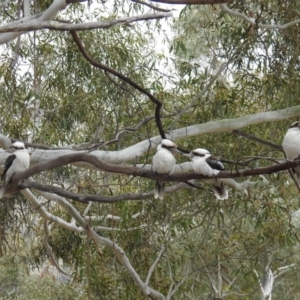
{"x": 214, "y": 163}
{"x": 220, "y": 190}
{"x": 7, "y": 164}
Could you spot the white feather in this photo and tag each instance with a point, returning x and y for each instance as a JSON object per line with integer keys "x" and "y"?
{"x": 291, "y": 144}
{"x": 163, "y": 162}
{"x": 200, "y": 166}
{"x": 19, "y": 164}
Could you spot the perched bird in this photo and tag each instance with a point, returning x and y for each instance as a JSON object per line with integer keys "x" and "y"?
{"x": 163, "y": 162}
{"x": 206, "y": 164}
{"x": 18, "y": 161}
{"x": 291, "y": 145}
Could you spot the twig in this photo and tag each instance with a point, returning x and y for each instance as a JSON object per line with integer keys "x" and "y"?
{"x": 49, "y": 249}
{"x": 122, "y": 77}
{"x": 256, "y": 139}
{"x": 225, "y": 8}
{"x": 152, "y": 268}
{"x": 151, "y": 6}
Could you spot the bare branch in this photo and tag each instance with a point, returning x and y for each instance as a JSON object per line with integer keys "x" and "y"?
{"x": 225, "y": 8}
{"x": 134, "y": 171}
{"x": 85, "y": 198}
{"x": 177, "y": 286}
{"x": 282, "y": 270}
{"x": 75, "y": 1}
{"x": 256, "y": 139}
{"x": 46, "y": 215}
{"x": 228, "y": 125}
{"x": 49, "y": 249}
{"x": 126, "y": 170}
{"x": 151, "y": 6}
{"x": 136, "y": 150}
{"x": 152, "y": 268}
{"x": 59, "y": 26}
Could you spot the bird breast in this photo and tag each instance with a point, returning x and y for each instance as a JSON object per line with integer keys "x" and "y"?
{"x": 291, "y": 143}
{"x": 163, "y": 162}
{"x": 20, "y": 163}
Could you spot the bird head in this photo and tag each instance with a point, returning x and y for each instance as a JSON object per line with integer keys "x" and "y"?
{"x": 167, "y": 144}
{"x": 18, "y": 146}
{"x": 197, "y": 153}
{"x": 295, "y": 125}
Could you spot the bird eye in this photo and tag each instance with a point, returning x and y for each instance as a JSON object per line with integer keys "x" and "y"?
{"x": 295, "y": 124}
{"x": 199, "y": 154}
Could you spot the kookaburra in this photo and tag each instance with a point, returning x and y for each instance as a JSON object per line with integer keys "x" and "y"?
{"x": 18, "y": 161}
{"x": 206, "y": 164}
{"x": 291, "y": 145}
{"x": 163, "y": 162}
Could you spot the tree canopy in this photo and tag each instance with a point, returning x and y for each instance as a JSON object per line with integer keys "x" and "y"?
{"x": 91, "y": 88}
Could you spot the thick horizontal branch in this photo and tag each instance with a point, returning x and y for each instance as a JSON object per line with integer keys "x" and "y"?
{"x": 228, "y": 125}
{"x": 135, "y": 151}
{"x": 134, "y": 171}
{"x": 140, "y": 172}
{"x": 55, "y": 25}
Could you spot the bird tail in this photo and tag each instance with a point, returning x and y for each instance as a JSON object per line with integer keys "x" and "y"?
{"x": 220, "y": 190}
{"x": 159, "y": 190}
{"x": 2, "y": 192}
{"x": 297, "y": 173}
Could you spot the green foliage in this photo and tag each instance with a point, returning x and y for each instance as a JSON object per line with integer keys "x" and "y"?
{"x": 16, "y": 284}
{"x": 82, "y": 104}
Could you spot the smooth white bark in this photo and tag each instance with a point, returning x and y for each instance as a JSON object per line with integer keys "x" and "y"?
{"x": 267, "y": 283}
{"x": 47, "y": 15}
{"x": 134, "y": 151}
{"x": 42, "y": 23}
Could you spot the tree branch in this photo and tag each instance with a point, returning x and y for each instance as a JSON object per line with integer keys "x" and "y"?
{"x": 49, "y": 249}
{"x": 192, "y": 1}
{"x": 85, "y": 198}
{"x": 136, "y": 150}
{"x": 151, "y": 6}
{"x": 127, "y": 170}
{"x": 134, "y": 171}
{"x": 152, "y": 268}
{"x": 225, "y": 8}
{"x": 228, "y": 125}
{"x": 256, "y": 139}
{"x": 62, "y": 26}
{"x": 126, "y": 79}
{"x": 112, "y": 245}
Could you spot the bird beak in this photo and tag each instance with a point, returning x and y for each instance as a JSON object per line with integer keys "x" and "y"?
{"x": 189, "y": 155}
